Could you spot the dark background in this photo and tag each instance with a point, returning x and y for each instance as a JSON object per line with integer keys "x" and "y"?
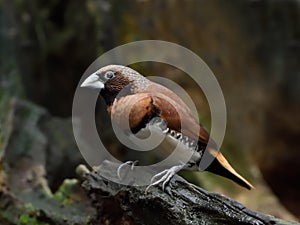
{"x": 252, "y": 46}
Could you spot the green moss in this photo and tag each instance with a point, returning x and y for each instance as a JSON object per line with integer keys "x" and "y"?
{"x": 29, "y": 207}
{"x": 87, "y": 220}
{"x": 65, "y": 190}
{"x": 26, "y": 219}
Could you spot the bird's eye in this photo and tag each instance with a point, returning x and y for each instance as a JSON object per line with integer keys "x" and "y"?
{"x": 109, "y": 74}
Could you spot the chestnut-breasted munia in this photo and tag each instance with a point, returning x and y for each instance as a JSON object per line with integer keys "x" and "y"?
{"x": 144, "y": 102}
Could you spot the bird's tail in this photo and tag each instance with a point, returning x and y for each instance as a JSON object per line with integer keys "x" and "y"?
{"x": 221, "y": 166}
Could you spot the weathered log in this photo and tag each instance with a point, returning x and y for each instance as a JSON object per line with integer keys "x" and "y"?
{"x": 181, "y": 203}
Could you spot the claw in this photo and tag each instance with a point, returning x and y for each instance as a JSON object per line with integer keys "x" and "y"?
{"x": 132, "y": 163}
{"x": 166, "y": 176}
{"x": 157, "y": 175}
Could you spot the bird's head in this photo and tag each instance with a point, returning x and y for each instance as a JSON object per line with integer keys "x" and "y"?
{"x": 113, "y": 79}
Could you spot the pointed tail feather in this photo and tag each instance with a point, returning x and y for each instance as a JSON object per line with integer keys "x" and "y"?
{"x": 221, "y": 166}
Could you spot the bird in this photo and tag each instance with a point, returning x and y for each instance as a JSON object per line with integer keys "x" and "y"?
{"x": 127, "y": 92}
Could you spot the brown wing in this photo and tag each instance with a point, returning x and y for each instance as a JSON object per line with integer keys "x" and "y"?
{"x": 132, "y": 111}
{"x": 139, "y": 108}
{"x": 176, "y": 113}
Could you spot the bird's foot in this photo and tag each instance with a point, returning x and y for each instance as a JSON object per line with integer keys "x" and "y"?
{"x": 165, "y": 176}
{"x": 132, "y": 164}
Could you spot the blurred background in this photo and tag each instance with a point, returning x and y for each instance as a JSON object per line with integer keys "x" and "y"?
{"x": 252, "y": 46}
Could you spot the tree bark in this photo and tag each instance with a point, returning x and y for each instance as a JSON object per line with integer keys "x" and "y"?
{"x": 181, "y": 203}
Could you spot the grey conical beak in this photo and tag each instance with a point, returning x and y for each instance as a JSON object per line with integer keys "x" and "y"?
{"x": 92, "y": 81}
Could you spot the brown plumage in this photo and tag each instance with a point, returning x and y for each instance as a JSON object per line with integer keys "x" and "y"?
{"x": 126, "y": 92}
